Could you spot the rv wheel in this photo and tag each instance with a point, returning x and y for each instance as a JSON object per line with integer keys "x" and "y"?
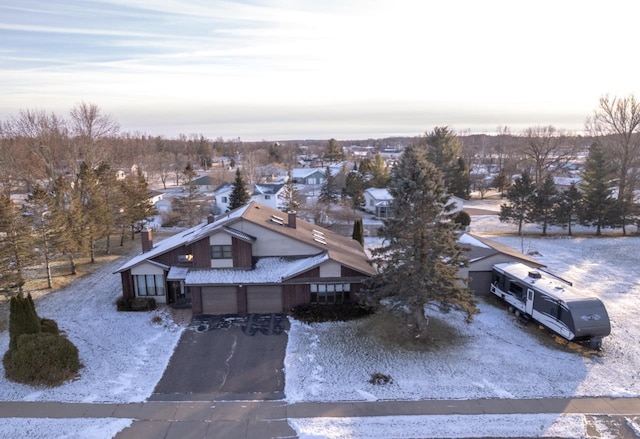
{"x": 511, "y": 308}
{"x": 595, "y": 344}
{"x": 517, "y": 313}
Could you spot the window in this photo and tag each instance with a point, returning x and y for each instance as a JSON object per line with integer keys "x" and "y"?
{"x": 223, "y": 199}
{"x": 329, "y": 294}
{"x": 149, "y": 284}
{"x": 220, "y": 252}
{"x": 185, "y": 259}
{"x": 267, "y": 197}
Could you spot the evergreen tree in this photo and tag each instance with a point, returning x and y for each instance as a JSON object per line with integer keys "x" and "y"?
{"x": 444, "y": 150}
{"x": 544, "y": 202}
{"x": 354, "y": 189}
{"x": 40, "y": 203}
{"x": 379, "y": 172}
{"x": 136, "y": 207}
{"x": 291, "y": 196}
{"x": 67, "y": 220}
{"x": 95, "y": 211}
{"x": 566, "y": 211}
{"x": 239, "y": 195}
{"x": 189, "y": 206}
{"x": 329, "y": 190}
{"x": 519, "y": 209}
{"x": 500, "y": 182}
{"x": 358, "y": 231}
{"x": 23, "y": 319}
{"x": 333, "y": 152}
{"x": 420, "y": 260}
{"x": 15, "y": 246}
{"x": 598, "y": 206}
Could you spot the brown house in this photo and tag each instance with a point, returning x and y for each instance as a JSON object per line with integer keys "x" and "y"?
{"x": 254, "y": 259}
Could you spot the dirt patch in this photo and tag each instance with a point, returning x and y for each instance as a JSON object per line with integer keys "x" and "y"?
{"x": 390, "y": 331}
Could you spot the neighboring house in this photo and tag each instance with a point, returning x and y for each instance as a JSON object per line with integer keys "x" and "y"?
{"x": 222, "y": 196}
{"x": 378, "y": 201}
{"x": 482, "y": 255}
{"x": 269, "y": 194}
{"x": 308, "y": 176}
{"x": 564, "y": 183}
{"x": 250, "y": 260}
{"x": 155, "y": 196}
{"x": 205, "y": 184}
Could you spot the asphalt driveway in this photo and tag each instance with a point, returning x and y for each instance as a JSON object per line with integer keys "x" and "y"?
{"x": 227, "y": 358}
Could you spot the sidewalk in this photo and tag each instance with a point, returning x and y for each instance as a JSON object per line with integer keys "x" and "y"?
{"x": 252, "y": 419}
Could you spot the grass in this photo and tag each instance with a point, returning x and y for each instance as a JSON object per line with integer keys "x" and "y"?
{"x": 36, "y": 282}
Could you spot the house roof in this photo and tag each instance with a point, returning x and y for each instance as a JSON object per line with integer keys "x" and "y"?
{"x": 380, "y": 194}
{"x": 224, "y": 187}
{"x": 305, "y": 172}
{"x": 267, "y": 270}
{"x": 481, "y": 248}
{"x": 205, "y": 180}
{"x": 268, "y": 189}
{"x": 341, "y": 249}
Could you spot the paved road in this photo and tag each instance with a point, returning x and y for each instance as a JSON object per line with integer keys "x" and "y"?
{"x": 269, "y": 419}
{"x": 218, "y": 358}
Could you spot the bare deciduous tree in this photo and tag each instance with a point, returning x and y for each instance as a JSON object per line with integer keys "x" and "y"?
{"x": 546, "y": 148}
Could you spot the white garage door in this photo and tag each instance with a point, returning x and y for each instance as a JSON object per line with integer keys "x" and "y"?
{"x": 264, "y": 299}
{"x": 219, "y": 300}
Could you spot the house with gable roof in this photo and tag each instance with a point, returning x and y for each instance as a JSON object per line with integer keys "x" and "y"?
{"x": 269, "y": 194}
{"x": 253, "y": 259}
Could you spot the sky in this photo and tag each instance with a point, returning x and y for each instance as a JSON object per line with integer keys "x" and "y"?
{"x": 304, "y": 69}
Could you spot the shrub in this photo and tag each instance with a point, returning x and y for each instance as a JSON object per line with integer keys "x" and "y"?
{"x": 42, "y": 359}
{"x": 378, "y": 378}
{"x": 22, "y": 319}
{"x": 462, "y": 218}
{"x": 49, "y": 326}
{"x": 309, "y": 313}
{"x": 136, "y": 304}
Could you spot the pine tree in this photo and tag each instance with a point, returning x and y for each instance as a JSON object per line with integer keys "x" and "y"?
{"x": 136, "y": 208}
{"x": 23, "y": 319}
{"x": 67, "y": 220}
{"x": 354, "y": 189}
{"x": 598, "y": 206}
{"x": 358, "y": 231}
{"x": 444, "y": 150}
{"x": 239, "y": 195}
{"x": 15, "y": 246}
{"x": 566, "y": 211}
{"x": 379, "y": 172}
{"x": 328, "y": 189}
{"x": 333, "y": 152}
{"x": 291, "y": 196}
{"x": 95, "y": 211}
{"x": 544, "y": 202}
{"x": 420, "y": 260}
{"x": 520, "y": 206}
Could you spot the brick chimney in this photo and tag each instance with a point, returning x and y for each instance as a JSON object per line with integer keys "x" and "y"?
{"x": 210, "y": 218}
{"x": 147, "y": 239}
{"x": 292, "y": 219}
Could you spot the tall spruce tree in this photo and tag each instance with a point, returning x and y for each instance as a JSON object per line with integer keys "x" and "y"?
{"x": 444, "y": 150}
{"x": 333, "y": 152}
{"x": 291, "y": 196}
{"x": 566, "y": 210}
{"x": 545, "y": 201}
{"x": 420, "y": 258}
{"x": 519, "y": 208}
{"x": 354, "y": 189}
{"x": 239, "y": 195}
{"x": 598, "y": 206}
{"x": 329, "y": 189}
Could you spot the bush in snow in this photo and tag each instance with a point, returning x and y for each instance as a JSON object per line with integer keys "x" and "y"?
{"x": 378, "y": 378}
{"x": 310, "y": 313}
{"x": 37, "y": 353}
{"x": 42, "y": 359}
{"x": 136, "y": 304}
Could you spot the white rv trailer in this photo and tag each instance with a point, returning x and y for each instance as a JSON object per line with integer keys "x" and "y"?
{"x": 552, "y": 302}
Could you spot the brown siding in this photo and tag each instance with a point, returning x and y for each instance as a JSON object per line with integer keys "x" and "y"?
{"x": 127, "y": 285}
{"x": 242, "y": 300}
{"x": 348, "y": 272}
{"x": 201, "y": 253}
{"x": 313, "y": 273}
{"x": 241, "y": 251}
{"x": 196, "y": 300}
{"x": 171, "y": 257}
{"x": 293, "y": 295}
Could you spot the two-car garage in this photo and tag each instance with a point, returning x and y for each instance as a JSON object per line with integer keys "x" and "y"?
{"x": 252, "y": 299}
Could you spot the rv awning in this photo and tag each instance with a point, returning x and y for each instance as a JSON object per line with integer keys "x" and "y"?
{"x": 178, "y": 273}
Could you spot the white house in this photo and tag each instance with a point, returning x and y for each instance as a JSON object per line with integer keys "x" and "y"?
{"x": 269, "y": 194}
{"x": 378, "y": 202}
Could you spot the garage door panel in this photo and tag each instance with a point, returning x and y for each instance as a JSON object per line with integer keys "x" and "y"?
{"x": 264, "y": 299}
{"x": 219, "y": 300}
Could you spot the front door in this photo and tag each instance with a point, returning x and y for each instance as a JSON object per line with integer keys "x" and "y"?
{"x": 529, "y": 305}
{"x": 178, "y": 293}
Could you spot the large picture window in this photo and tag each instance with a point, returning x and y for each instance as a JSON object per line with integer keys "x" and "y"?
{"x": 220, "y": 252}
{"x": 330, "y": 294}
{"x": 149, "y": 284}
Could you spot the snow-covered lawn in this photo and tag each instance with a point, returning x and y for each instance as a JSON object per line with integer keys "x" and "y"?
{"x": 124, "y": 354}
